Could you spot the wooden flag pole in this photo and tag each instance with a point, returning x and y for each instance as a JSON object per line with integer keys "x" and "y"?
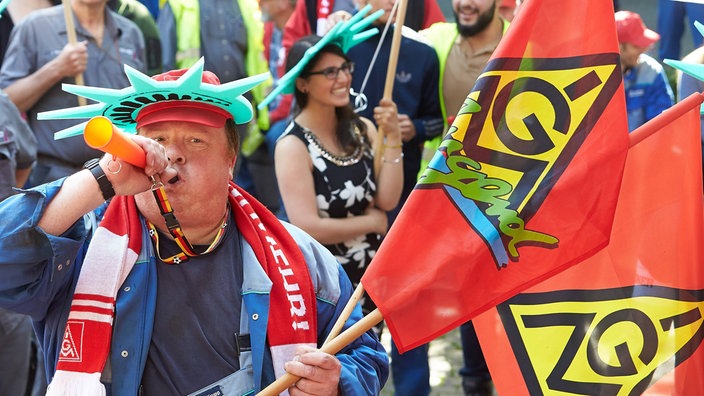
{"x": 390, "y": 76}
{"x": 334, "y": 346}
{"x": 71, "y": 34}
{"x": 345, "y": 314}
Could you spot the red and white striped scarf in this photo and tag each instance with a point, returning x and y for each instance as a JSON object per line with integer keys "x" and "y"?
{"x": 114, "y": 250}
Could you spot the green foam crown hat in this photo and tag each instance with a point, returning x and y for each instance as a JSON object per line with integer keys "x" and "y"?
{"x": 345, "y": 34}
{"x": 122, "y": 106}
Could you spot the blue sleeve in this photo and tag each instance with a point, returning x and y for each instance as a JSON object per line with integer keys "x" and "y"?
{"x": 166, "y": 23}
{"x": 659, "y": 97}
{"x": 35, "y": 268}
{"x": 429, "y": 122}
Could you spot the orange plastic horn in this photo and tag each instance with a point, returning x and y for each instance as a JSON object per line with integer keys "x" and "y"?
{"x": 101, "y": 134}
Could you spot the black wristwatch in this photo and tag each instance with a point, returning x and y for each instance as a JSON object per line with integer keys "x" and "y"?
{"x": 93, "y": 166}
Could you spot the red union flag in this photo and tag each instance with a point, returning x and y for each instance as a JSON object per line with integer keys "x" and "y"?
{"x": 630, "y": 319}
{"x": 520, "y": 189}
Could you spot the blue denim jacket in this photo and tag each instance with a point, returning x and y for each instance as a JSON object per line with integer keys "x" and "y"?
{"x": 38, "y": 274}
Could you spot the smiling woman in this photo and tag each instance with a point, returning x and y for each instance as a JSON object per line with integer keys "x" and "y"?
{"x": 324, "y": 162}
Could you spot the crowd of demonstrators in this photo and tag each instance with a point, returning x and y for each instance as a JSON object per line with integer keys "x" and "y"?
{"x": 38, "y": 59}
{"x": 323, "y": 159}
{"x": 648, "y": 92}
{"x": 463, "y": 49}
{"x": 251, "y": 297}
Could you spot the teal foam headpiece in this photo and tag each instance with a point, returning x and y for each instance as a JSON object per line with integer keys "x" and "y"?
{"x": 345, "y": 34}
{"x": 3, "y": 5}
{"x": 122, "y": 106}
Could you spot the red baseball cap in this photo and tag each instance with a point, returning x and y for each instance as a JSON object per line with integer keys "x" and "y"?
{"x": 631, "y": 29}
{"x": 197, "y": 112}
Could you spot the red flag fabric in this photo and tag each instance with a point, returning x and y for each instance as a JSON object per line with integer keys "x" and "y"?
{"x": 520, "y": 189}
{"x": 630, "y": 319}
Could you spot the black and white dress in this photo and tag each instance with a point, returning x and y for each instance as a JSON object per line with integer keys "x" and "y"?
{"x": 344, "y": 187}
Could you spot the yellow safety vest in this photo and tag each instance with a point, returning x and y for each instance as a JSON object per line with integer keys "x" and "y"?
{"x": 187, "y": 17}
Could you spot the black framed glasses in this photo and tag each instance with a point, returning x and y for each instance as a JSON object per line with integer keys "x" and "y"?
{"x": 332, "y": 72}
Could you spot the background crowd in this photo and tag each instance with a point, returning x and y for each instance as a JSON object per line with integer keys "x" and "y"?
{"x": 318, "y": 176}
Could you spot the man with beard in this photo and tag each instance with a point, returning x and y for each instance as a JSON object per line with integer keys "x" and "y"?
{"x": 463, "y": 49}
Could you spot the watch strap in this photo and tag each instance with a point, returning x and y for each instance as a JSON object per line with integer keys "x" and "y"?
{"x": 97, "y": 171}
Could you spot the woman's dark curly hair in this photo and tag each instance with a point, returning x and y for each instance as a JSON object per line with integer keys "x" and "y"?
{"x": 346, "y": 117}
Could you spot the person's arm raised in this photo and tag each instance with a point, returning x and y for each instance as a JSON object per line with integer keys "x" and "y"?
{"x": 80, "y": 192}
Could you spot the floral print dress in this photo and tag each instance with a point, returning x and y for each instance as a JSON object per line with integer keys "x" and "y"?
{"x": 344, "y": 187}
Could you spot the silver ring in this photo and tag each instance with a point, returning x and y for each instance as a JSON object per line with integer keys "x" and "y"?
{"x": 119, "y": 167}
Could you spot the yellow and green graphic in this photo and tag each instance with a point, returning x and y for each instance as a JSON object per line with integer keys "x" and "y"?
{"x": 602, "y": 342}
{"x": 518, "y": 131}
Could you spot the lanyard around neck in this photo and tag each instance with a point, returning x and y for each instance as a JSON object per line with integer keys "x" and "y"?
{"x": 176, "y": 232}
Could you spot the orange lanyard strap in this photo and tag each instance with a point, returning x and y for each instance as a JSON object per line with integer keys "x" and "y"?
{"x": 177, "y": 233}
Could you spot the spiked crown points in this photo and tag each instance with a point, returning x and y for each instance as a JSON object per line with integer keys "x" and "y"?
{"x": 122, "y": 106}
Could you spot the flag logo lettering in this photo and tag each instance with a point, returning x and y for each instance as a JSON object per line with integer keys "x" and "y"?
{"x": 616, "y": 341}
{"x": 72, "y": 344}
{"x": 498, "y": 163}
